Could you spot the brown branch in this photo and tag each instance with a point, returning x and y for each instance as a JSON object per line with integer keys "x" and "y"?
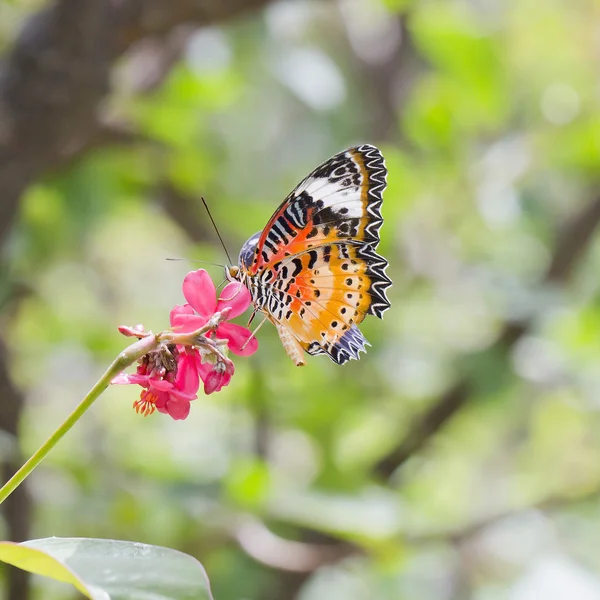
{"x": 287, "y": 555}
{"x": 57, "y": 73}
{"x": 183, "y": 210}
{"x": 466, "y": 532}
{"x": 290, "y": 562}
{"x": 17, "y": 508}
{"x": 387, "y": 83}
{"x": 572, "y": 241}
{"x": 429, "y": 424}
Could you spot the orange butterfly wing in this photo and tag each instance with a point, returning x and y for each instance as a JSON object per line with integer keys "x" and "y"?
{"x": 314, "y": 270}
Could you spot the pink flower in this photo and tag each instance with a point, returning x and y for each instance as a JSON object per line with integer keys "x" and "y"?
{"x": 202, "y": 303}
{"x": 170, "y": 379}
{"x": 170, "y": 375}
{"x": 200, "y": 293}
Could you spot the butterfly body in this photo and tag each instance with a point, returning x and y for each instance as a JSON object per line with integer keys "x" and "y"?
{"x": 314, "y": 270}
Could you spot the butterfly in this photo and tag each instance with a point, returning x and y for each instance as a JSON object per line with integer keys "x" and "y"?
{"x": 314, "y": 271}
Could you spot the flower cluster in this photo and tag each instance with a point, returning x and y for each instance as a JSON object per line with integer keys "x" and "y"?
{"x": 196, "y": 351}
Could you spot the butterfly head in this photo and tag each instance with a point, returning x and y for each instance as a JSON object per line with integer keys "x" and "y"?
{"x": 245, "y": 259}
{"x": 232, "y": 273}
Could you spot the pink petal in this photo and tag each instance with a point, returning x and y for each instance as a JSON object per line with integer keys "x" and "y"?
{"x": 204, "y": 369}
{"x": 181, "y": 309}
{"x": 188, "y": 323}
{"x": 212, "y": 381}
{"x": 160, "y": 385}
{"x": 187, "y": 379}
{"x": 178, "y": 410}
{"x": 215, "y": 381}
{"x": 178, "y": 395}
{"x": 162, "y": 399}
{"x": 226, "y": 379}
{"x": 237, "y": 337}
{"x": 123, "y": 378}
{"x": 199, "y": 291}
{"x": 184, "y": 320}
{"x": 235, "y": 296}
{"x": 229, "y": 366}
{"x": 137, "y": 331}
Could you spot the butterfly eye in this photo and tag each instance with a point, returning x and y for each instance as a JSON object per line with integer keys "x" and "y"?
{"x": 233, "y": 272}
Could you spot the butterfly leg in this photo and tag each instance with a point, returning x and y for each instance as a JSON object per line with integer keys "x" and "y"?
{"x": 291, "y": 345}
{"x": 256, "y": 330}
{"x": 251, "y": 318}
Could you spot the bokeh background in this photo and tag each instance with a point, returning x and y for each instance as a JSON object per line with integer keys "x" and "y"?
{"x": 458, "y": 459}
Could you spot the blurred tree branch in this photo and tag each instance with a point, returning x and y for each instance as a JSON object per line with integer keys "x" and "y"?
{"x": 17, "y": 508}
{"x": 182, "y": 210}
{"x": 57, "y": 74}
{"x": 291, "y": 560}
{"x": 388, "y": 82}
{"x": 278, "y": 553}
{"x": 549, "y": 504}
{"x": 426, "y": 427}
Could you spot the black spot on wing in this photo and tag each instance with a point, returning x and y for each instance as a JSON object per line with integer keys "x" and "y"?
{"x": 297, "y": 265}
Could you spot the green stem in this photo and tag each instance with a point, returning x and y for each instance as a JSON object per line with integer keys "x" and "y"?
{"x": 124, "y": 360}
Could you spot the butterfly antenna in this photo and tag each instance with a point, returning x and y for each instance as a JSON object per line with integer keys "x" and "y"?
{"x": 202, "y": 262}
{"x": 217, "y": 230}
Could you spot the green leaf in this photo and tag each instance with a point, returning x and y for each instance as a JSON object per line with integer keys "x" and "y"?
{"x": 112, "y": 569}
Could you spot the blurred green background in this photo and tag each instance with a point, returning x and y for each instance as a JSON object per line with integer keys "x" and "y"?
{"x": 459, "y": 458}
